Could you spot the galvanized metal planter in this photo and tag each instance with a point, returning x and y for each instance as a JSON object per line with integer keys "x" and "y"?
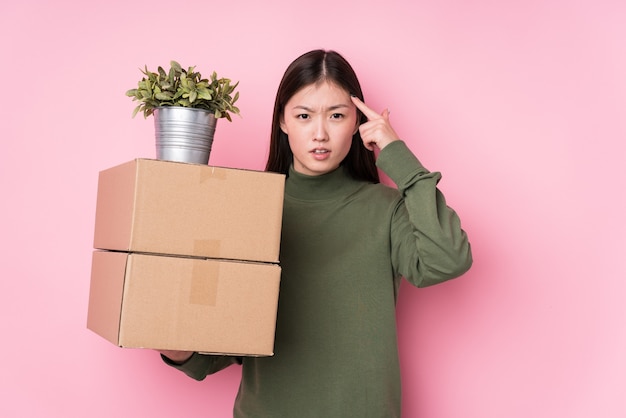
{"x": 184, "y": 134}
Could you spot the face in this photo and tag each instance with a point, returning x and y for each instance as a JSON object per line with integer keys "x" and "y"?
{"x": 319, "y": 121}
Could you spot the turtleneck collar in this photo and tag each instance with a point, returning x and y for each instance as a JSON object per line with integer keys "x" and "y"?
{"x": 327, "y": 186}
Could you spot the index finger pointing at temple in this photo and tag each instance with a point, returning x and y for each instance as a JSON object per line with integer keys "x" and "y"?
{"x": 369, "y": 113}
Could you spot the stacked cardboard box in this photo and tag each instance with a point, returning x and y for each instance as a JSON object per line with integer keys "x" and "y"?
{"x": 186, "y": 257}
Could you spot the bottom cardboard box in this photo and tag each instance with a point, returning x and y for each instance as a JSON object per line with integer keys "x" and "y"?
{"x": 176, "y": 303}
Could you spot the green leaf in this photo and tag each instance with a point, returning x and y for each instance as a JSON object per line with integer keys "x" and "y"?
{"x": 176, "y": 67}
{"x": 204, "y": 94}
{"x": 164, "y": 96}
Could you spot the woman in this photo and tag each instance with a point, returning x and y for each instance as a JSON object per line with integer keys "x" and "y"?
{"x": 347, "y": 240}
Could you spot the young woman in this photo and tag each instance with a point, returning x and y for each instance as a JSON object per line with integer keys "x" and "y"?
{"x": 347, "y": 240}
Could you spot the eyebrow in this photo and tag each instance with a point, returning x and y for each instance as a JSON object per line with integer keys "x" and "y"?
{"x": 334, "y": 107}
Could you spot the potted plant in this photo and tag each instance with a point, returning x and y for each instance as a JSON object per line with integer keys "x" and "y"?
{"x": 186, "y": 108}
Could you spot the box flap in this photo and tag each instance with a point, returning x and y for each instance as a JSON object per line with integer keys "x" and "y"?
{"x": 108, "y": 271}
{"x": 115, "y": 207}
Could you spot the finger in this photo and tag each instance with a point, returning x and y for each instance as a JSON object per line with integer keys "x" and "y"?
{"x": 369, "y": 113}
{"x": 368, "y": 144}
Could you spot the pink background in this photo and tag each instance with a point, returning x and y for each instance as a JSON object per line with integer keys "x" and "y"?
{"x": 519, "y": 103}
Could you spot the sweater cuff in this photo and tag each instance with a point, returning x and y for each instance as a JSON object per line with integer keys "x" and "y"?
{"x": 398, "y": 162}
{"x": 195, "y": 358}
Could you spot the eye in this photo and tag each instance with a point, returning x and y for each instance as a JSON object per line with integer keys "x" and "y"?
{"x": 302, "y": 116}
{"x": 337, "y": 116}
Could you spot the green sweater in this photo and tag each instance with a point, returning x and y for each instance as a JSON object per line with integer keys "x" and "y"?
{"x": 345, "y": 246}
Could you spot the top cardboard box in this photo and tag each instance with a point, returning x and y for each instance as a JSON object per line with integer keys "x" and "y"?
{"x": 184, "y": 209}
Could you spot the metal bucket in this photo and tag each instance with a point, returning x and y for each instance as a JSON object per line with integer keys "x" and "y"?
{"x": 184, "y": 134}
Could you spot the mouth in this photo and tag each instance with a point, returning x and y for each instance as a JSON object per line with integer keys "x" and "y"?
{"x": 320, "y": 154}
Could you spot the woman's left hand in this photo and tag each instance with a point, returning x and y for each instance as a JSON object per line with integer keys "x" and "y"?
{"x": 377, "y": 131}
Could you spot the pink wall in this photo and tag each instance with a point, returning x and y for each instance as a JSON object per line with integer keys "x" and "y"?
{"x": 520, "y": 104}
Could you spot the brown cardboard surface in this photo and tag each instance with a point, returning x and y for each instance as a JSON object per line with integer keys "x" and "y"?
{"x": 175, "y": 208}
{"x": 105, "y": 294}
{"x": 178, "y": 303}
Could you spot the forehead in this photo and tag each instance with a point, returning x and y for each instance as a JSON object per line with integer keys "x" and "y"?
{"x": 321, "y": 92}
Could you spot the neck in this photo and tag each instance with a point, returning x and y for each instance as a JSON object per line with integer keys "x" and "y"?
{"x": 328, "y": 186}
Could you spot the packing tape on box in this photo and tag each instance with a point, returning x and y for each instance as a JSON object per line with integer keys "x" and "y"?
{"x": 211, "y": 173}
{"x": 207, "y": 247}
{"x": 204, "y": 280}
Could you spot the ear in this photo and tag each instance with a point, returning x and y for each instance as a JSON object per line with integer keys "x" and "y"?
{"x": 283, "y": 127}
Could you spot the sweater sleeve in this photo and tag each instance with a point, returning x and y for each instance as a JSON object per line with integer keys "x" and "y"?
{"x": 428, "y": 245}
{"x": 199, "y": 366}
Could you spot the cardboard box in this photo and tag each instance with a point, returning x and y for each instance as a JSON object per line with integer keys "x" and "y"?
{"x": 177, "y": 303}
{"x": 189, "y": 209}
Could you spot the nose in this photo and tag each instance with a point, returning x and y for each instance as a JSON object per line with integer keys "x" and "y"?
{"x": 321, "y": 133}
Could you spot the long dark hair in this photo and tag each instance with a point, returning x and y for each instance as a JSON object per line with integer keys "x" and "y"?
{"x": 310, "y": 68}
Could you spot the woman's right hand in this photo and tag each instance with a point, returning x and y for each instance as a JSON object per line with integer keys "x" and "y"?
{"x": 377, "y": 131}
{"x": 177, "y": 356}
